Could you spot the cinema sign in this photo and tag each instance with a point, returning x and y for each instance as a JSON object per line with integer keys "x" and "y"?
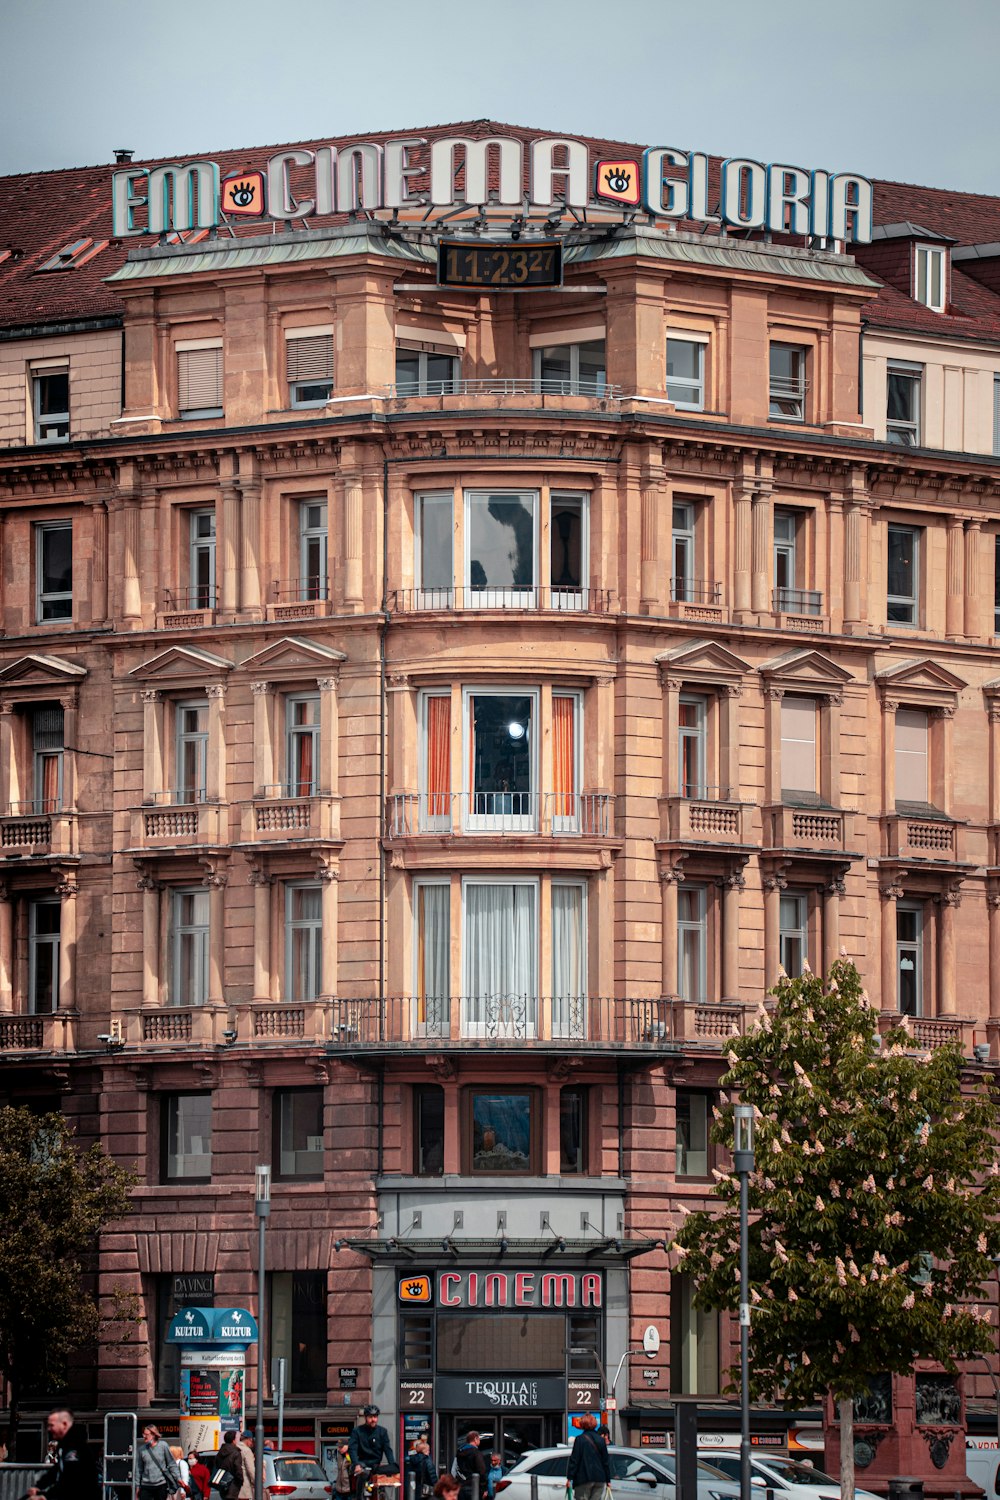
{"x": 668, "y": 184}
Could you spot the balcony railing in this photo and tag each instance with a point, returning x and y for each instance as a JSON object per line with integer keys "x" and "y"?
{"x": 714, "y": 817}
{"x": 695, "y": 591}
{"x": 595, "y": 390}
{"x": 38, "y": 827}
{"x": 576, "y": 600}
{"x": 488, "y": 1021}
{"x": 814, "y": 828}
{"x": 797, "y": 602}
{"x": 299, "y": 598}
{"x": 51, "y": 1033}
{"x": 179, "y": 816}
{"x": 909, "y": 837}
{"x": 180, "y": 608}
{"x": 281, "y": 813}
{"x": 583, "y": 814}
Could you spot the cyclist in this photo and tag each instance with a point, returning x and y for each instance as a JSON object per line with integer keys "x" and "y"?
{"x": 369, "y": 1449}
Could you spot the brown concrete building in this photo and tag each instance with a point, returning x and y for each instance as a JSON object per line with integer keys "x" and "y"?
{"x": 429, "y": 715}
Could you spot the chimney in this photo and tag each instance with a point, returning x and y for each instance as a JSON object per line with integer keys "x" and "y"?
{"x": 123, "y": 154}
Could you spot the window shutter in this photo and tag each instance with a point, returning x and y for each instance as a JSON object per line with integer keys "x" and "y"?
{"x": 199, "y": 378}
{"x": 798, "y": 744}
{"x": 47, "y": 729}
{"x": 310, "y": 359}
{"x": 911, "y": 755}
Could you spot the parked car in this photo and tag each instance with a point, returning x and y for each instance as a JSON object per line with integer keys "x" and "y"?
{"x": 982, "y": 1464}
{"x": 635, "y": 1475}
{"x": 292, "y": 1476}
{"x": 787, "y": 1477}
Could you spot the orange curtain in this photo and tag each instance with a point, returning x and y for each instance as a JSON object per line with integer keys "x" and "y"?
{"x": 438, "y": 756}
{"x": 50, "y": 784}
{"x": 304, "y": 770}
{"x": 562, "y": 756}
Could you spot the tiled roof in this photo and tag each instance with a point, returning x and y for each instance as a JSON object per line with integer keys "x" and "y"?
{"x": 41, "y": 213}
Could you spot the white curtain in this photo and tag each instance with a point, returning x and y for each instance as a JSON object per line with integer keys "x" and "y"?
{"x": 433, "y": 990}
{"x": 568, "y": 962}
{"x": 502, "y": 947}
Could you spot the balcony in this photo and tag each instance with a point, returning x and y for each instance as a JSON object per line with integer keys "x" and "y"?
{"x": 38, "y": 827}
{"x": 715, "y": 818}
{"x": 696, "y": 599}
{"x": 909, "y": 836}
{"x": 436, "y": 392}
{"x": 488, "y": 1022}
{"x": 169, "y": 819}
{"x": 51, "y": 1033}
{"x": 800, "y": 609}
{"x": 186, "y": 609}
{"x": 571, "y": 600}
{"x": 276, "y": 815}
{"x": 256, "y": 1022}
{"x": 546, "y": 814}
{"x": 298, "y": 599}
{"x": 819, "y": 830}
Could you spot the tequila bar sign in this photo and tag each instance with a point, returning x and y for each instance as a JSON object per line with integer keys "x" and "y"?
{"x": 513, "y": 1392}
{"x": 412, "y": 173}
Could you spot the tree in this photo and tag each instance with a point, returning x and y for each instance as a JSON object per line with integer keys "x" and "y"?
{"x": 873, "y": 1204}
{"x": 58, "y": 1200}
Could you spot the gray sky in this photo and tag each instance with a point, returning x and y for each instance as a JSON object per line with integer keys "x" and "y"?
{"x": 901, "y": 89}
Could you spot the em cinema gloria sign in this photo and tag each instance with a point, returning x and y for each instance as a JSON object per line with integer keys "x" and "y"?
{"x": 524, "y": 1290}
{"x": 667, "y": 183}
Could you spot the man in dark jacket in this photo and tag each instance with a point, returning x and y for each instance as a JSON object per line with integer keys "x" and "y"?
{"x": 589, "y": 1470}
{"x": 230, "y": 1459}
{"x": 73, "y": 1476}
{"x": 369, "y": 1448}
{"x": 469, "y": 1461}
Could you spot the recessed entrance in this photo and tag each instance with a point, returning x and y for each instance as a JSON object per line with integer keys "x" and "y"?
{"x": 512, "y": 1433}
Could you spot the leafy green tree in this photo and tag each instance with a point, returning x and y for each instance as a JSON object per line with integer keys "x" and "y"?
{"x": 873, "y": 1204}
{"x": 57, "y": 1201}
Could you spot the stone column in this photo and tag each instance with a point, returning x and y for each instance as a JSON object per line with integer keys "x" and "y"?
{"x": 973, "y": 613}
{"x": 132, "y": 595}
{"x": 70, "y": 779}
{"x": 262, "y": 985}
{"x": 761, "y": 561}
{"x": 994, "y": 769}
{"x": 954, "y": 607}
{"x": 773, "y": 886}
{"x": 742, "y": 502}
{"x": 228, "y": 550}
{"x": 671, "y": 721}
{"x": 99, "y": 574}
{"x": 830, "y": 748}
{"x": 772, "y": 747}
{"x": 889, "y": 707}
{"x": 250, "y": 549}
{"x": 7, "y": 949}
{"x": 152, "y": 743}
{"x": 328, "y": 771}
{"x": 729, "y": 738}
{"x": 604, "y": 749}
{"x": 264, "y": 776}
{"x": 993, "y": 1023}
{"x": 329, "y": 876}
{"x": 150, "y": 889}
{"x": 67, "y": 890}
{"x": 951, "y": 899}
{"x": 669, "y": 879}
{"x": 835, "y": 570}
{"x": 652, "y": 487}
{"x": 832, "y": 892}
{"x": 10, "y": 791}
{"x": 353, "y": 576}
{"x": 854, "y": 567}
{"x": 215, "y": 880}
{"x": 889, "y": 895}
{"x": 215, "y": 775}
{"x": 732, "y": 890}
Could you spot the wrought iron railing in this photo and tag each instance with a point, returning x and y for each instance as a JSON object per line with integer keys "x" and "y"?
{"x": 797, "y": 601}
{"x": 190, "y": 599}
{"x": 584, "y": 814}
{"x": 534, "y": 596}
{"x": 599, "y": 390}
{"x": 695, "y": 591}
{"x": 299, "y": 590}
{"x": 487, "y": 1020}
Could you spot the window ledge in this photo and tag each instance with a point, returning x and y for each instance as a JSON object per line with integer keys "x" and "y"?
{"x": 564, "y": 1183}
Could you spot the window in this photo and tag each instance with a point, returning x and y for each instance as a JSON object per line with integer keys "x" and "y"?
{"x": 902, "y": 592}
{"x": 691, "y": 736}
{"x": 189, "y": 943}
{"x": 909, "y": 958}
{"x": 501, "y": 736}
{"x": 416, "y": 1342}
{"x": 996, "y": 416}
{"x": 428, "y": 1128}
{"x": 571, "y": 369}
{"x": 309, "y": 361}
{"x": 793, "y": 933}
{"x": 47, "y": 757}
{"x": 172, "y": 1294}
{"x": 930, "y": 276}
{"x": 299, "y": 1330}
{"x": 53, "y": 571}
{"x": 788, "y": 382}
{"x": 43, "y": 956}
{"x": 186, "y": 1135}
{"x": 785, "y": 569}
{"x": 425, "y": 373}
{"x": 903, "y": 404}
{"x": 313, "y": 550}
{"x": 192, "y": 751}
{"x": 682, "y": 583}
{"x": 569, "y": 959}
{"x": 572, "y": 1131}
{"x": 432, "y": 921}
{"x": 199, "y": 378}
{"x": 692, "y": 1141}
{"x": 799, "y": 763}
{"x": 434, "y": 568}
{"x": 996, "y": 585}
{"x": 568, "y": 550}
{"x": 50, "y": 405}
{"x": 298, "y": 1133}
{"x": 503, "y": 1131}
{"x": 694, "y": 1342}
{"x": 303, "y": 942}
{"x": 201, "y": 559}
{"x": 501, "y": 959}
{"x": 686, "y": 373}
{"x": 912, "y": 726}
{"x": 301, "y": 744}
{"x": 501, "y": 547}
{"x": 692, "y": 942}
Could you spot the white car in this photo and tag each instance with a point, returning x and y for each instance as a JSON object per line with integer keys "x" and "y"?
{"x": 788, "y": 1478}
{"x": 635, "y": 1475}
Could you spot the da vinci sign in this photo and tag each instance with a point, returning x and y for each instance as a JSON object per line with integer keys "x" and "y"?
{"x": 412, "y": 172}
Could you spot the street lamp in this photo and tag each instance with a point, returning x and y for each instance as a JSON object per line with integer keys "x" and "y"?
{"x": 262, "y": 1208}
{"x": 743, "y": 1163}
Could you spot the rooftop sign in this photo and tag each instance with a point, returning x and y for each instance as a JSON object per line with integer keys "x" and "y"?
{"x": 666, "y": 183}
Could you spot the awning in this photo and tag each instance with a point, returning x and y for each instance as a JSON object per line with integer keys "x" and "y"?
{"x": 405, "y": 1251}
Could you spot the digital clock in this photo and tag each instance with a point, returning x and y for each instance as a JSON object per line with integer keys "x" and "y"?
{"x": 512, "y": 266}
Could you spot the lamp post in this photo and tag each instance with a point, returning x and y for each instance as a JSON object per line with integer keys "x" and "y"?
{"x": 743, "y": 1164}
{"x": 262, "y": 1208}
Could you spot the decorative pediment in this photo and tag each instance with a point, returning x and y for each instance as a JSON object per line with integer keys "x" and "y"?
{"x": 702, "y": 661}
{"x": 181, "y": 664}
{"x": 37, "y": 673}
{"x": 806, "y": 669}
{"x": 919, "y": 680}
{"x": 293, "y": 657}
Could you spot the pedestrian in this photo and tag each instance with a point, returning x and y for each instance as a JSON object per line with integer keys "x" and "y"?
{"x": 342, "y": 1481}
{"x": 494, "y": 1473}
{"x": 183, "y": 1468}
{"x": 589, "y": 1470}
{"x": 604, "y": 1432}
{"x": 245, "y": 1444}
{"x": 201, "y": 1477}
{"x": 420, "y": 1464}
{"x": 369, "y": 1448}
{"x": 73, "y": 1472}
{"x": 447, "y": 1488}
{"x": 158, "y": 1476}
{"x": 228, "y": 1461}
{"x": 471, "y": 1463}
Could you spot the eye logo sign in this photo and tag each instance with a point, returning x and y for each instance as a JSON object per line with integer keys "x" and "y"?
{"x": 618, "y": 181}
{"x": 243, "y": 195}
{"x": 415, "y": 1289}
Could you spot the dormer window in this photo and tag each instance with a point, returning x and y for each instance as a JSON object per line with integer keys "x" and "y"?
{"x": 929, "y": 276}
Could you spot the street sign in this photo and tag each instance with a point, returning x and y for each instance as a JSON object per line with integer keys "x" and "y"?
{"x": 611, "y": 1403}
